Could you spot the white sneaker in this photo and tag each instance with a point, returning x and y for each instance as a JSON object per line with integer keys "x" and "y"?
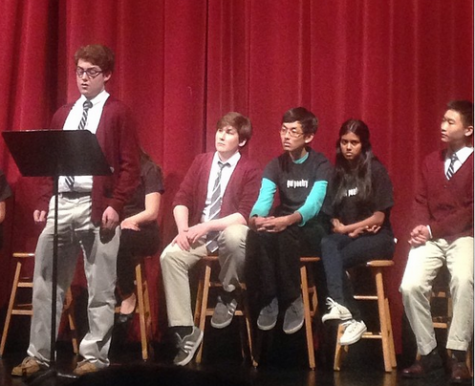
{"x": 353, "y": 332}
{"x": 337, "y": 311}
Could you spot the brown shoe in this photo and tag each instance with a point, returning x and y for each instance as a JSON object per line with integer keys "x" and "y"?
{"x": 460, "y": 372}
{"x": 29, "y": 366}
{"x": 85, "y": 367}
{"x": 422, "y": 367}
{"x": 417, "y": 370}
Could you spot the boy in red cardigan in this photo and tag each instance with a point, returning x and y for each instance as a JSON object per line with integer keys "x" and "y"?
{"x": 443, "y": 234}
{"x": 211, "y": 209}
{"x": 89, "y": 210}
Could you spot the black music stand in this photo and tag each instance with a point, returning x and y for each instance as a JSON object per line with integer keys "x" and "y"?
{"x": 55, "y": 153}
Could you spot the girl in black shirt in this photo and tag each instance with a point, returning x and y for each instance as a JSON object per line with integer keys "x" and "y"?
{"x": 359, "y": 201}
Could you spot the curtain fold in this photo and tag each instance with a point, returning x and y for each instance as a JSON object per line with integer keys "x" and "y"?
{"x": 182, "y": 64}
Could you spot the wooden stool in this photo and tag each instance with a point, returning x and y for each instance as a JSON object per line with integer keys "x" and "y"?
{"x": 15, "y": 308}
{"x": 202, "y": 310}
{"x": 142, "y": 308}
{"x": 385, "y": 332}
{"x": 310, "y": 303}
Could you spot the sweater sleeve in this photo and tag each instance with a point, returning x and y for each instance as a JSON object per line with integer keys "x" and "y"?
{"x": 314, "y": 202}
{"x": 265, "y": 200}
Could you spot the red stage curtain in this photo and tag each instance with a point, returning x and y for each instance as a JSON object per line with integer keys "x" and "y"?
{"x": 181, "y": 64}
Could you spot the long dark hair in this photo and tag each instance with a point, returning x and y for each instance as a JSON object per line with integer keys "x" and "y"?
{"x": 357, "y": 174}
{"x": 145, "y": 157}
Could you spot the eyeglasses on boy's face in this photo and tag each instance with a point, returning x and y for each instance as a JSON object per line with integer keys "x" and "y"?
{"x": 293, "y": 132}
{"x": 90, "y": 72}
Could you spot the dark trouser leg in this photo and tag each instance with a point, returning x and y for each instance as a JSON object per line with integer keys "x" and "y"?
{"x": 333, "y": 265}
{"x": 133, "y": 244}
{"x": 341, "y": 253}
{"x": 288, "y": 263}
{"x": 260, "y": 267}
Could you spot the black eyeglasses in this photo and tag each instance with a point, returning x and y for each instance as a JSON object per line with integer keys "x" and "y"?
{"x": 90, "y": 72}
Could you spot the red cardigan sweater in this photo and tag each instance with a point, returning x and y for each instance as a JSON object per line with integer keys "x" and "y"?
{"x": 240, "y": 194}
{"x": 117, "y": 137}
{"x": 445, "y": 205}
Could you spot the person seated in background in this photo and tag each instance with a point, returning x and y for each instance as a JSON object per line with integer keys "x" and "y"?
{"x": 276, "y": 242}
{"x": 211, "y": 209}
{"x": 359, "y": 202}
{"x": 443, "y": 234}
{"x": 139, "y": 232}
{"x": 5, "y": 192}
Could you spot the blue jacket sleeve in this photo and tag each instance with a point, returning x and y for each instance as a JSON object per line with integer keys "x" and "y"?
{"x": 265, "y": 200}
{"x": 314, "y": 201}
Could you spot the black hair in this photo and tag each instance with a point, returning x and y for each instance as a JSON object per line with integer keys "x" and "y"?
{"x": 307, "y": 119}
{"x": 358, "y": 173}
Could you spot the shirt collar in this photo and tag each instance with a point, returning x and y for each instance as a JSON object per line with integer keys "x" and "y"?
{"x": 463, "y": 153}
{"x": 231, "y": 161}
{"x": 99, "y": 98}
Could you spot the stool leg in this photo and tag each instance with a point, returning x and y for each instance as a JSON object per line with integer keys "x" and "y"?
{"x": 69, "y": 308}
{"x": 141, "y": 309}
{"x": 384, "y": 329}
{"x": 391, "y": 336}
{"x": 339, "y": 349}
{"x": 148, "y": 315}
{"x": 307, "y": 317}
{"x": 204, "y": 306}
{"x": 11, "y": 303}
{"x": 247, "y": 318}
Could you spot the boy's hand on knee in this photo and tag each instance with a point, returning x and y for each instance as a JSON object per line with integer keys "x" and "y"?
{"x": 197, "y": 231}
{"x": 182, "y": 241}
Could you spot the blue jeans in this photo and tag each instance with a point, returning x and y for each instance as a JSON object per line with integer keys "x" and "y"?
{"x": 341, "y": 252}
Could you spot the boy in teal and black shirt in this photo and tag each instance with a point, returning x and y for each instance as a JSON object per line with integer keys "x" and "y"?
{"x": 275, "y": 243}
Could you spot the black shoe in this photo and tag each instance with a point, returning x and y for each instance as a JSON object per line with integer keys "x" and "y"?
{"x": 126, "y": 318}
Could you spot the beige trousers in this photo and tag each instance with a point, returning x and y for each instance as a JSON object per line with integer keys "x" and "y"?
{"x": 176, "y": 264}
{"x": 422, "y": 267}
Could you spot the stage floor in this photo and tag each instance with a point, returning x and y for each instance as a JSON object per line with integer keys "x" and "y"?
{"x": 363, "y": 367}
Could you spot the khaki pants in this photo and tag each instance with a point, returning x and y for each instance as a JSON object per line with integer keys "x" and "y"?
{"x": 76, "y": 232}
{"x": 422, "y": 267}
{"x": 176, "y": 264}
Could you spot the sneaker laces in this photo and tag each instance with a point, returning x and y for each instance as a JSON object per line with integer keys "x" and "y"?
{"x": 180, "y": 345}
{"x": 350, "y": 325}
{"x": 331, "y": 303}
{"x": 270, "y": 308}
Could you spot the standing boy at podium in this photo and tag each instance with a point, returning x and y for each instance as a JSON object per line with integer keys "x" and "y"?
{"x": 88, "y": 216}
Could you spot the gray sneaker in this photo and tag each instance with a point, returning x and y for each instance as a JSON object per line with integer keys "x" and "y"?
{"x": 188, "y": 346}
{"x": 293, "y": 317}
{"x": 268, "y": 316}
{"x": 224, "y": 310}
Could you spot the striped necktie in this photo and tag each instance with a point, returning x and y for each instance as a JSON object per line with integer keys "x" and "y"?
{"x": 215, "y": 208}
{"x": 82, "y": 125}
{"x": 450, "y": 170}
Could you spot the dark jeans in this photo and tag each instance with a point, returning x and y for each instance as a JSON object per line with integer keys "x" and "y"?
{"x": 134, "y": 244}
{"x": 273, "y": 260}
{"x": 341, "y": 252}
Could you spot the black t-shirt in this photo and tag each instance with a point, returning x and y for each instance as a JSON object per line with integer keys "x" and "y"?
{"x": 294, "y": 181}
{"x": 352, "y": 209}
{"x": 151, "y": 181}
{"x": 5, "y": 192}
